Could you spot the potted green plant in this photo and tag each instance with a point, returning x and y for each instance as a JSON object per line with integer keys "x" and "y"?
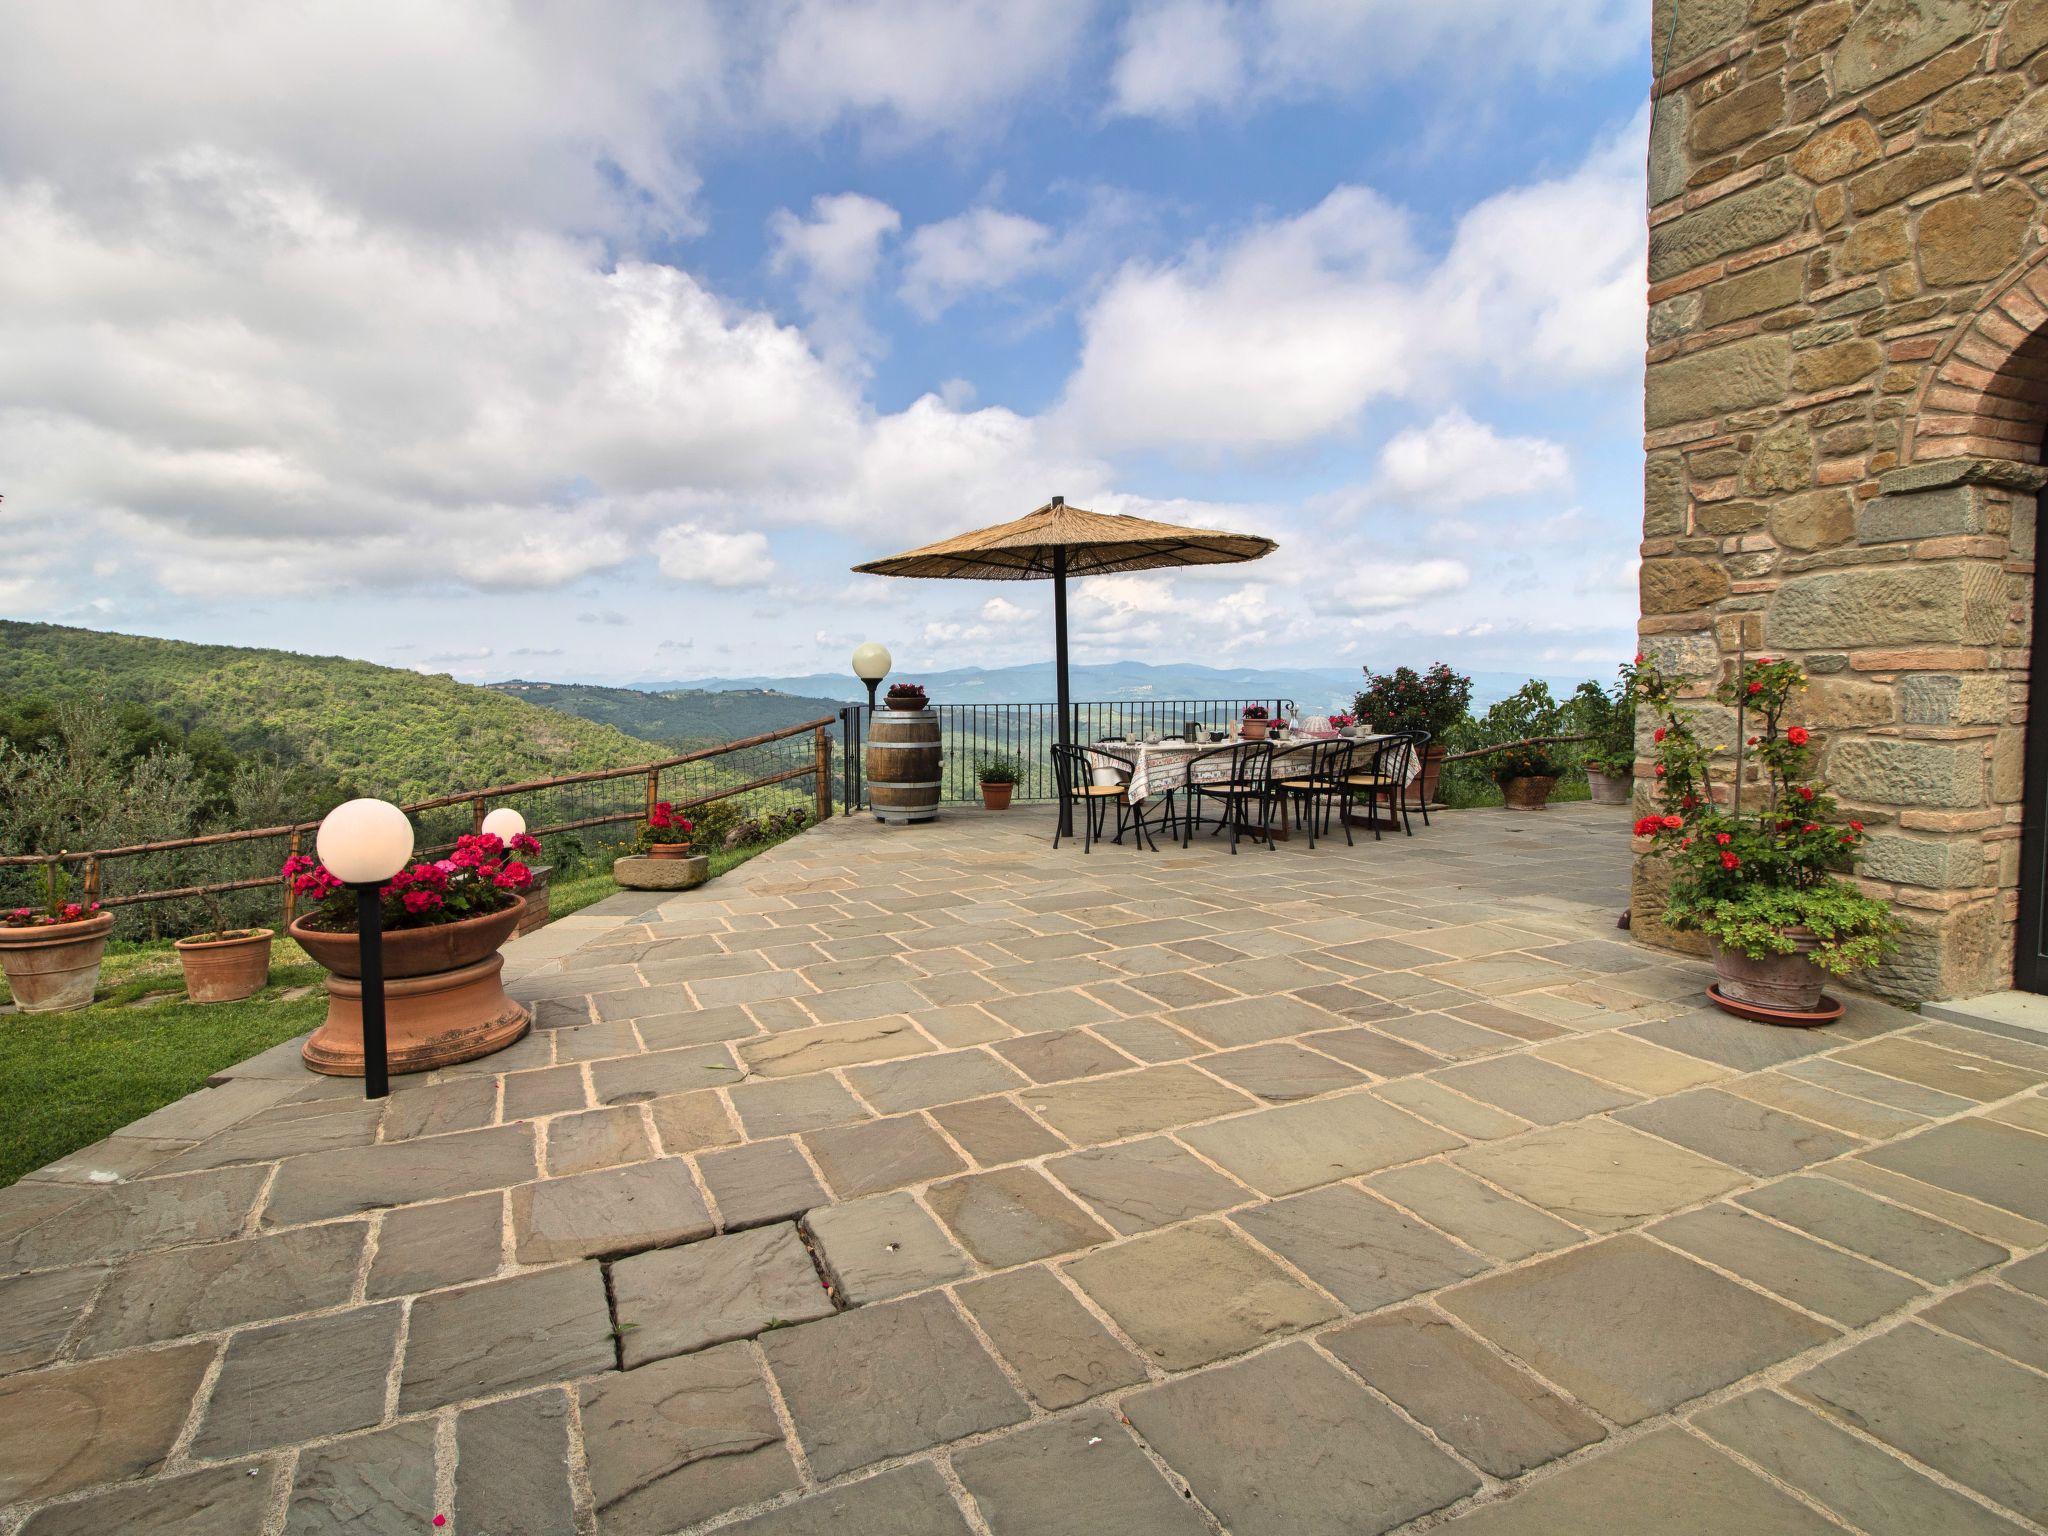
{"x": 444, "y": 920}
{"x": 1407, "y": 701}
{"x": 51, "y": 954}
{"x": 1255, "y": 722}
{"x": 999, "y": 776}
{"x": 1526, "y": 776}
{"x": 1608, "y": 716}
{"x": 1760, "y": 878}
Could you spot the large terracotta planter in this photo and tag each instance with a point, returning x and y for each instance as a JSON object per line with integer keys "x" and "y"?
{"x": 1432, "y": 770}
{"x": 56, "y": 968}
{"x": 996, "y": 797}
{"x": 1610, "y": 788}
{"x": 1527, "y": 794}
{"x": 1785, "y": 983}
{"x": 444, "y": 998}
{"x": 413, "y": 951}
{"x": 225, "y": 970}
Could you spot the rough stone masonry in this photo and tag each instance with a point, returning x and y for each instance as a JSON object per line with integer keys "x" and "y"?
{"x": 1844, "y": 403}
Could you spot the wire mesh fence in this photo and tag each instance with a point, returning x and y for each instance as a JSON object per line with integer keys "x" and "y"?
{"x": 739, "y": 792}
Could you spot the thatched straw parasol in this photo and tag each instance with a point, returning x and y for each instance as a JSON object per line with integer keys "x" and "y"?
{"x": 1058, "y": 541}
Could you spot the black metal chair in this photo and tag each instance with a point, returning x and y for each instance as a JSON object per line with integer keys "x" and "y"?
{"x": 1385, "y": 777}
{"x": 1244, "y": 790}
{"x": 1074, "y": 776}
{"x": 1314, "y": 776}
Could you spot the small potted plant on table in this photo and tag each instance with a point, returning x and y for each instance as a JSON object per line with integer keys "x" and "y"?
{"x": 1759, "y": 880}
{"x": 999, "y": 776}
{"x": 1526, "y": 776}
{"x": 51, "y": 954}
{"x": 444, "y": 920}
{"x": 1255, "y": 721}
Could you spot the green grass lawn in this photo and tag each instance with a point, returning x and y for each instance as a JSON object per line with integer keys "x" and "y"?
{"x": 68, "y": 1079}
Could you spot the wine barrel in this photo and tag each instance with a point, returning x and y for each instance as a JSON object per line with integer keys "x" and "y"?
{"x": 903, "y": 764}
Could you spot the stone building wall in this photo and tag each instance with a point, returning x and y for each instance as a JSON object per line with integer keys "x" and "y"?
{"x": 1845, "y": 399}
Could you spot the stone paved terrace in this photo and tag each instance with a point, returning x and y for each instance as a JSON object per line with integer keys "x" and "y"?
{"x": 1352, "y": 1190}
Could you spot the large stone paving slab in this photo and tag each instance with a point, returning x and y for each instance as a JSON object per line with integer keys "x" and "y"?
{"x": 297, "y": 1380}
{"x": 1282, "y": 1151}
{"x": 1054, "y": 1344}
{"x": 1500, "y": 1418}
{"x": 676, "y": 1300}
{"x": 620, "y": 1210}
{"x": 219, "y": 1499}
{"x": 505, "y": 1334}
{"x": 1875, "y": 1492}
{"x": 1012, "y": 1216}
{"x": 351, "y": 1180}
{"x": 1078, "y": 1474}
{"x": 1921, "y": 1246}
{"x": 907, "y": 1501}
{"x": 76, "y": 1425}
{"x": 1959, "y": 1409}
{"x": 1138, "y": 1185}
{"x": 1599, "y": 1175}
{"x": 197, "y": 1290}
{"x": 1359, "y": 1249}
{"x": 512, "y": 1466}
{"x": 1804, "y": 1272}
{"x": 1998, "y": 1164}
{"x": 67, "y": 1224}
{"x": 881, "y": 1247}
{"x": 1194, "y": 1294}
{"x": 681, "y": 1440}
{"x": 1285, "y": 1444}
{"x": 1132, "y": 1103}
{"x": 1630, "y": 1328}
{"x": 1666, "y": 1482}
{"x": 1738, "y": 1131}
{"x": 887, "y": 1381}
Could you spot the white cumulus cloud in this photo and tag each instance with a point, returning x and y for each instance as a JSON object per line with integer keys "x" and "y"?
{"x": 1455, "y": 461}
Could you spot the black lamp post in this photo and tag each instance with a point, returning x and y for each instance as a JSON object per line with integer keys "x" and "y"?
{"x": 871, "y": 663}
{"x": 364, "y": 843}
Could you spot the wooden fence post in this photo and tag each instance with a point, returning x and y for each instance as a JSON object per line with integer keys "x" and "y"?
{"x": 824, "y": 773}
{"x": 89, "y": 887}
{"x": 653, "y": 790}
{"x": 476, "y": 814}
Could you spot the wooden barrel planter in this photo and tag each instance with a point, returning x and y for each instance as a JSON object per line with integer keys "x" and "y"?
{"x": 903, "y": 764}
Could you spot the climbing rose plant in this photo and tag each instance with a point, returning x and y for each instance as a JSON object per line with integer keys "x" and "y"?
{"x": 1753, "y": 882}
{"x": 480, "y": 876}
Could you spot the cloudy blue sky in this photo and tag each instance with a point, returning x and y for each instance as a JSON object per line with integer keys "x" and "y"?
{"x": 597, "y": 340}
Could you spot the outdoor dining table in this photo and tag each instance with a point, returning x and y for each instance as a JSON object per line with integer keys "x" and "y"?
{"x": 1169, "y": 764}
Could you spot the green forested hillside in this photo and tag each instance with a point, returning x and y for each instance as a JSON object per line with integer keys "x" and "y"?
{"x": 681, "y": 717}
{"x": 376, "y": 730}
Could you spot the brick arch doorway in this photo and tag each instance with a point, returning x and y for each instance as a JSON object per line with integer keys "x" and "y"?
{"x": 1980, "y": 423}
{"x": 1976, "y": 436}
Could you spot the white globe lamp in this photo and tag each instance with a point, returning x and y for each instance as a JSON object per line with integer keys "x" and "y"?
{"x": 504, "y": 823}
{"x": 871, "y": 663}
{"x": 365, "y": 842}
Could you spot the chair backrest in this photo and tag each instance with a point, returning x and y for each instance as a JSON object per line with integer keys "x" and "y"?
{"x": 1322, "y": 762}
{"x": 1248, "y": 762}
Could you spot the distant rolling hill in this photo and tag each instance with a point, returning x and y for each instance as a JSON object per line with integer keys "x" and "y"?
{"x": 379, "y": 730}
{"x": 1316, "y": 690}
{"x": 679, "y": 717}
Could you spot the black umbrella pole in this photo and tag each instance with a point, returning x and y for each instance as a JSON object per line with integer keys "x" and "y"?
{"x": 1065, "y": 728}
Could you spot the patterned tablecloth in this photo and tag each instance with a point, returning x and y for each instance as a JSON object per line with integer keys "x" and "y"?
{"x": 1166, "y": 765}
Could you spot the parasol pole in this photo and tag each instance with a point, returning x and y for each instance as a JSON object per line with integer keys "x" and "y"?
{"x": 1059, "y": 640}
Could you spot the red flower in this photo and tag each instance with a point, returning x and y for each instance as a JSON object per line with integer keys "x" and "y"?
{"x": 1802, "y": 791}
{"x": 1674, "y": 822}
{"x": 1660, "y": 770}
{"x": 1809, "y": 827}
{"x": 1756, "y": 687}
{"x": 1751, "y": 742}
{"x": 1649, "y": 825}
{"x": 1723, "y": 839}
{"x": 1856, "y": 826}
{"x": 1729, "y": 861}
{"x": 1639, "y": 658}
{"x": 1796, "y": 735}
{"x": 417, "y": 902}
{"x": 1657, "y": 734}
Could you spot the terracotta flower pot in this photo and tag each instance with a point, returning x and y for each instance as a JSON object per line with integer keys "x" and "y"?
{"x": 1254, "y": 730}
{"x": 444, "y": 999}
{"x": 413, "y": 951}
{"x": 668, "y": 850}
{"x": 1610, "y": 788}
{"x": 1528, "y": 794}
{"x": 55, "y": 968}
{"x": 1789, "y": 983}
{"x": 1432, "y": 770}
{"x": 996, "y": 797}
{"x": 228, "y": 968}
